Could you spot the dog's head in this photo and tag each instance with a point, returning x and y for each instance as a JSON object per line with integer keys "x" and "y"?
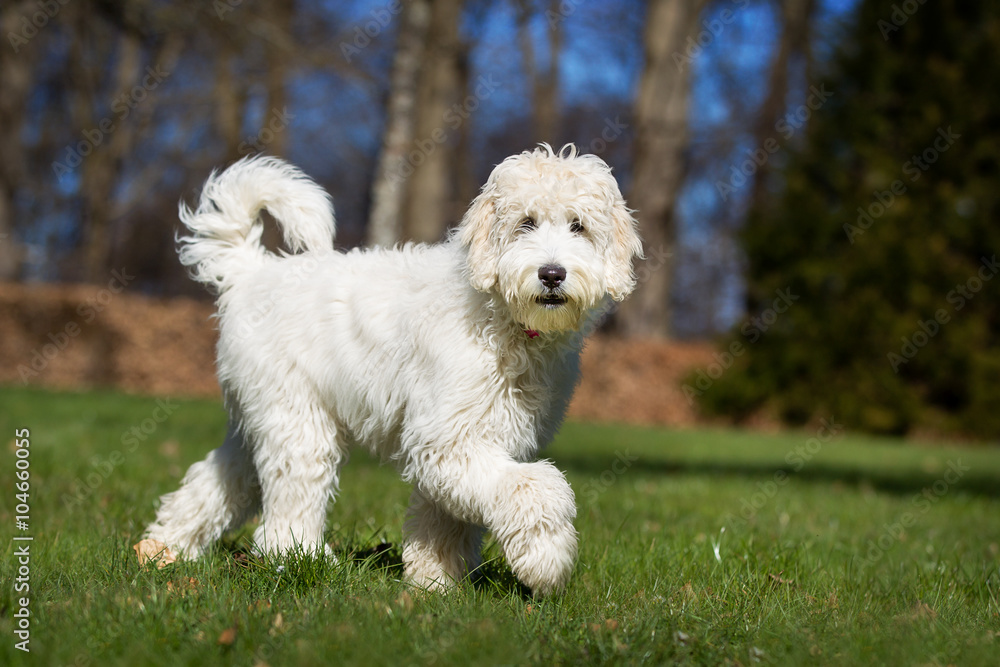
{"x": 551, "y": 234}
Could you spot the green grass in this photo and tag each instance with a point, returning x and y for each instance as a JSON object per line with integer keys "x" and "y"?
{"x": 798, "y": 576}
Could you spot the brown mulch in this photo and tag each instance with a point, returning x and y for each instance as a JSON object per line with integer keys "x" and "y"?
{"x": 81, "y": 336}
{"x": 638, "y": 381}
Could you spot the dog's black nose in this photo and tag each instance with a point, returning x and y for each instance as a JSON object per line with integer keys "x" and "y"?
{"x": 551, "y": 275}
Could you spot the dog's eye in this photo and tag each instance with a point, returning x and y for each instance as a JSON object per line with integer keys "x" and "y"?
{"x": 526, "y": 225}
{"x": 576, "y": 226}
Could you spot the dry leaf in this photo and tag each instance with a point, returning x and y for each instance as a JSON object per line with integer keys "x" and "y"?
{"x": 687, "y": 591}
{"x": 611, "y": 624}
{"x": 279, "y": 620}
{"x": 170, "y": 448}
{"x": 154, "y": 550}
{"x": 405, "y": 601}
{"x": 227, "y": 637}
{"x": 923, "y": 610}
{"x": 778, "y": 580}
{"x": 183, "y": 586}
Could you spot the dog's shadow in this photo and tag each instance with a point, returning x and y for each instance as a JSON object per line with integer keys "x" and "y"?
{"x": 493, "y": 577}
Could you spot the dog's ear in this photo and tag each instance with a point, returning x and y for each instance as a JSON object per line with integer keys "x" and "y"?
{"x": 624, "y": 247}
{"x": 476, "y": 232}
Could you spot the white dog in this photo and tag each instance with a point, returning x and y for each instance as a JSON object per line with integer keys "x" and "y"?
{"x": 456, "y": 361}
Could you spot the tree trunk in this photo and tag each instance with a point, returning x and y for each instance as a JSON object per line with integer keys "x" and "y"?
{"x": 389, "y": 187}
{"x": 544, "y": 85}
{"x": 230, "y": 100}
{"x": 465, "y": 176}
{"x": 15, "y": 81}
{"x": 660, "y": 165}
{"x": 795, "y": 19}
{"x": 279, "y": 51}
{"x": 547, "y": 94}
{"x": 101, "y": 170}
{"x": 431, "y": 189}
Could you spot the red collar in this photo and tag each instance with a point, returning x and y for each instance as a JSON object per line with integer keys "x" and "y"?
{"x": 532, "y": 333}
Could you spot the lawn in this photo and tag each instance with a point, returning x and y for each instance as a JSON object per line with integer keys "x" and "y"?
{"x": 702, "y": 547}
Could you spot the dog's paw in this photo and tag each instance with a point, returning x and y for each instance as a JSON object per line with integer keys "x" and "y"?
{"x": 544, "y": 561}
{"x": 153, "y": 550}
{"x": 533, "y": 521}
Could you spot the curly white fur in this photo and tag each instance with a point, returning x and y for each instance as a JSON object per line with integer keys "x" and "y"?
{"x": 456, "y": 361}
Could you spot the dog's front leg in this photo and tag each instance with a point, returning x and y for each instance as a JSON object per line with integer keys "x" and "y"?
{"x": 532, "y": 519}
{"x": 529, "y": 507}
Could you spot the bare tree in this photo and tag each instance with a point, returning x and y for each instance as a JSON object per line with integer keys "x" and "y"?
{"x": 431, "y": 189}
{"x": 660, "y": 165}
{"x": 796, "y": 16}
{"x": 389, "y": 187}
{"x": 15, "y": 83}
{"x": 133, "y": 78}
{"x": 279, "y": 53}
{"x": 230, "y": 94}
{"x": 544, "y": 84}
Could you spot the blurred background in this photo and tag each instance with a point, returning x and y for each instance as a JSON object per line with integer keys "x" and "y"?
{"x": 815, "y": 182}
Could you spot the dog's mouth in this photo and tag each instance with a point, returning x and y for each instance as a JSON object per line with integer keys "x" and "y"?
{"x": 552, "y": 300}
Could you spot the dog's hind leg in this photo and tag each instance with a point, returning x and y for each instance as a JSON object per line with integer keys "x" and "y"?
{"x": 438, "y": 549}
{"x": 216, "y": 495}
{"x": 298, "y": 460}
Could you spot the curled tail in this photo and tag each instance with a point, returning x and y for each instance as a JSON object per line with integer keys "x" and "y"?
{"x": 226, "y": 229}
